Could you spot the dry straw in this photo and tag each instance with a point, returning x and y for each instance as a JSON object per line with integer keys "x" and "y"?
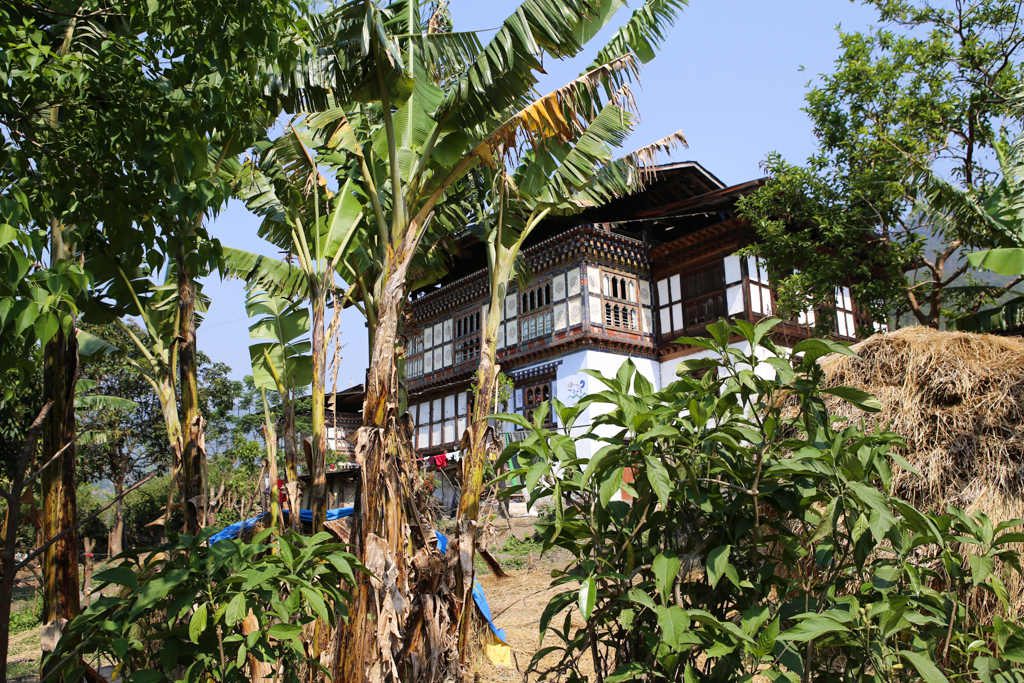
{"x": 958, "y": 401}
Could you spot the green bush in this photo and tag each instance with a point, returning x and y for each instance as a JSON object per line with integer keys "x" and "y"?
{"x": 761, "y": 537}
{"x": 25, "y": 618}
{"x": 176, "y": 612}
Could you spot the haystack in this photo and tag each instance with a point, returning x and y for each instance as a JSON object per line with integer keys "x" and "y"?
{"x": 958, "y": 401}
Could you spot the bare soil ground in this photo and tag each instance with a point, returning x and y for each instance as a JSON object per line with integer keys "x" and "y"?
{"x": 517, "y": 602}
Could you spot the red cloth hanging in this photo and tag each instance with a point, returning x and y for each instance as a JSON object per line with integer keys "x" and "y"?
{"x": 441, "y": 460}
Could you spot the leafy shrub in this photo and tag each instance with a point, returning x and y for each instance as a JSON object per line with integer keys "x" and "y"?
{"x": 176, "y": 612}
{"x": 25, "y": 618}
{"x": 761, "y": 537}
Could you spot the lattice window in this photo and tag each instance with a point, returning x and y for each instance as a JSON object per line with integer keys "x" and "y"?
{"x": 622, "y": 317}
{"x": 614, "y": 286}
{"x": 467, "y": 325}
{"x": 534, "y": 394}
{"x": 535, "y": 298}
{"x": 535, "y": 326}
{"x": 692, "y": 299}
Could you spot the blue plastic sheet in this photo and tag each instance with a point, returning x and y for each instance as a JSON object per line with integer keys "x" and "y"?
{"x": 236, "y": 529}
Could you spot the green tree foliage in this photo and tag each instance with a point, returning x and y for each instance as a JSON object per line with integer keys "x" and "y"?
{"x": 926, "y": 92}
{"x": 106, "y": 119}
{"x": 761, "y": 536}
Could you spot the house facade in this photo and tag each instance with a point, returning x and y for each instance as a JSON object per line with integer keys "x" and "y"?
{"x": 623, "y": 280}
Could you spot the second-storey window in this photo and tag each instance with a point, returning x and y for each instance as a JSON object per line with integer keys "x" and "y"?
{"x": 467, "y": 324}
{"x": 442, "y": 421}
{"x": 690, "y": 300}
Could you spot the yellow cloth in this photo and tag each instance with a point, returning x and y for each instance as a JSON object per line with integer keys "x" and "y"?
{"x": 498, "y": 652}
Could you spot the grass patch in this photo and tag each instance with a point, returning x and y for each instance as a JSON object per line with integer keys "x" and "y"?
{"x": 522, "y": 546}
{"x": 22, "y": 670}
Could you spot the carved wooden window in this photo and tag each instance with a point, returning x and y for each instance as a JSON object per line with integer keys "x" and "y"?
{"x": 467, "y": 325}
{"x": 691, "y": 299}
{"x": 535, "y": 298}
{"x": 534, "y": 394}
{"x": 539, "y": 325}
{"x": 621, "y": 287}
{"x": 622, "y": 317}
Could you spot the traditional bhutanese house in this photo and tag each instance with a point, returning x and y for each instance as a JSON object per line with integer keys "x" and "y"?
{"x": 622, "y": 280}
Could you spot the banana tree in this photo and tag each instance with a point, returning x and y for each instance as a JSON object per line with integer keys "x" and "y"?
{"x": 316, "y": 226}
{"x": 121, "y": 292}
{"x": 419, "y": 108}
{"x": 585, "y": 176}
{"x": 994, "y": 220}
{"x": 281, "y": 362}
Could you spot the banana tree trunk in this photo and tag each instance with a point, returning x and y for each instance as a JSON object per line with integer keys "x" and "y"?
{"x": 397, "y": 623}
{"x": 473, "y": 473}
{"x": 175, "y": 439}
{"x": 116, "y": 537}
{"x": 193, "y": 451}
{"x": 60, "y": 560}
{"x": 291, "y": 462}
{"x": 318, "y": 475}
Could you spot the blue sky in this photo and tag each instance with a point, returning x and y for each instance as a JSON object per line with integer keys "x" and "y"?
{"x": 732, "y": 77}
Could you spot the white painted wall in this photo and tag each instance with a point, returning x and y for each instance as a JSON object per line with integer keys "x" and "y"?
{"x": 572, "y": 384}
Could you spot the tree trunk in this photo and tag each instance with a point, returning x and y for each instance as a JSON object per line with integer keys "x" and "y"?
{"x": 396, "y": 621}
{"x": 12, "y": 521}
{"x": 193, "y": 451}
{"x": 473, "y": 473}
{"x": 60, "y": 560}
{"x": 89, "y": 546}
{"x": 116, "y": 538}
{"x": 318, "y": 474}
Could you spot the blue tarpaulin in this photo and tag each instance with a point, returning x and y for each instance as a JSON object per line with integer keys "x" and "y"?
{"x": 236, "y": 529}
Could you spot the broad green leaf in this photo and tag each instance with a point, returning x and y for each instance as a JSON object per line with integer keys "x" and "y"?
{"x": 632, "y": 671}
{"x": 658, "y": 477}
{"x": 197, "y": 624}
{"x": 587, "y": 596}
{"x": 930, "y": 673}
{"x": 673, "y": 622}
{"x": 718, "y": 560}
{"x": 536, "y": 471}
{"x": 1009, "y": 261}
{"x": 812, "y": 627}
{"x": 610, "y": 485}
{"x": 317, "y": 601}
{"x": 285, "y": 631}
{"x": 981, "y": 568}
{"x": 857, "y": 397}
{"x": 665, "y": 568}
{"x": 236, "y": 610}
